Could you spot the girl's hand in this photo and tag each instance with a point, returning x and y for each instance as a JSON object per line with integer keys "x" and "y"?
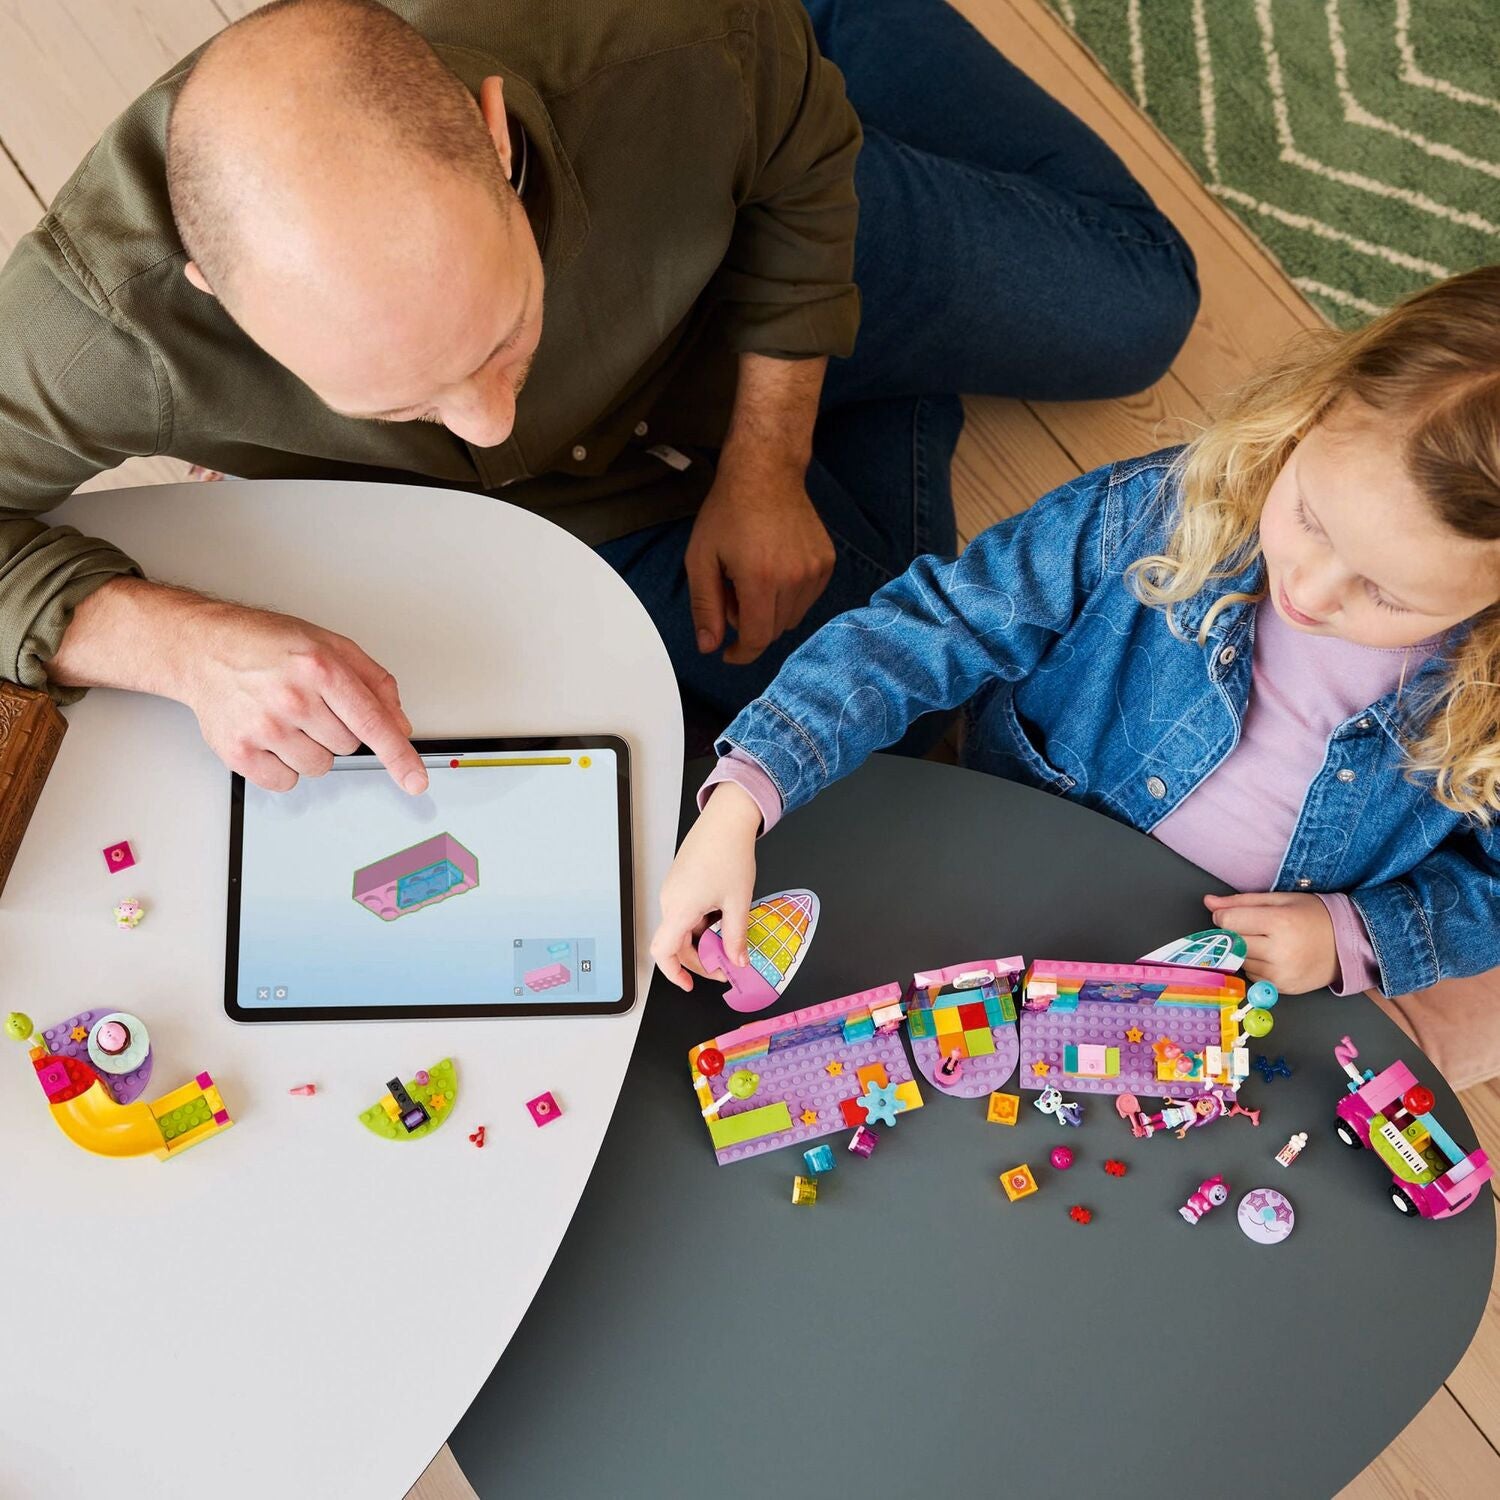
{"x": 714, "y": 872}
{"x": 1288, "y": 937}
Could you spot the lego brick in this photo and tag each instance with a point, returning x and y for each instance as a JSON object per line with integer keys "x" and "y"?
{"x": 858, "y": 1028}
{"x": 544, "y": 1109}
{"x": 1441, "y": 1139}
{"x": 437, "y": 1097}
{"x": 119, "y": 857}
{"x": 980, "y": 1042}
{"x": 804, "y": 1190}
{"x": 945, "y": 1018}
{"x": 750, "y": 1125}
{"x": 871, "y": 1073}
{"x": 1018, "y": 1182}
{"x": 853, "y": 1112}
{"x": 1091, "y": 1060}
{"x": 547, "y": 977}
{"x": 971, "y": 1016}
{"x": 123, "y": 1088}
{"x": 1003, "y": 1109}
{"x": 908, "y": 1094}
{"x": 919, "y": 1024}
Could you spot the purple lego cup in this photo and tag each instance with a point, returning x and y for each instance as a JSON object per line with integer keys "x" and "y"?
{"x": 748, "y": 991}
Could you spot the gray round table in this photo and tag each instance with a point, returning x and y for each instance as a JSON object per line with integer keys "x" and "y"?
{"x": 915, "y": 1333}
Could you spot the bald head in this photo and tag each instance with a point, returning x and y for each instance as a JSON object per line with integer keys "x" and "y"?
{"x": 305, "y": 96}
{"x": 337, "y": 187}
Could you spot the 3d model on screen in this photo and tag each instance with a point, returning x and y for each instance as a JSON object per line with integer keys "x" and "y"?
{"x": 422, "y": 875}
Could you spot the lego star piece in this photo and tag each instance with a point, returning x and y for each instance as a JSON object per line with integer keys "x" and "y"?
{"x": 1135, "y": 1034}
{"x": 1040, "y": 1068}
{"x": 809, "y": 1117}
{"x": 834, "y": 1068}
{"x": 880, "y": 1104}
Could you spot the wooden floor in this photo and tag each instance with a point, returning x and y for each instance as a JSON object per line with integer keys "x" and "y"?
{"x": 68, "y": 66}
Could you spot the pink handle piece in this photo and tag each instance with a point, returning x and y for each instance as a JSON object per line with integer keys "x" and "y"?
{"x": 748, "y": 991}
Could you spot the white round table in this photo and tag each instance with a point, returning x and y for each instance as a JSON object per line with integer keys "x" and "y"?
{"x": 295, "y": 1307}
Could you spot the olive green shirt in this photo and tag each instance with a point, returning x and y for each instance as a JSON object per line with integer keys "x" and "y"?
{"x": 690, "y": 181}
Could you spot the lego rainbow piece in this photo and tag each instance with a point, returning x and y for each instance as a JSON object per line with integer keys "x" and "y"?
{"x": 422, "y": 875}
{"x": 779, "y": 933}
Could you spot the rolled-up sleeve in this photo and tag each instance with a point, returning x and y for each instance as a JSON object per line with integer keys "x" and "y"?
{"x": 78, "y": 395}
{"x": 786, "y": 283}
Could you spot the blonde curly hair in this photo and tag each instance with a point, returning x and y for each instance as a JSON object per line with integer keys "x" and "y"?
{"x": 1431, "y": 366}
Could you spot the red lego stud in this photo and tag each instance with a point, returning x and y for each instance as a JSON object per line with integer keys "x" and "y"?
{"x": 119, "y": 857}
{"x": 1079, "y": 1214}
{"x": 1115, "y": 1168}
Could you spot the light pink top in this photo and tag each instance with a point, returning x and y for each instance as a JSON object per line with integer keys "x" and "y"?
{"x": 1238, "y": 821}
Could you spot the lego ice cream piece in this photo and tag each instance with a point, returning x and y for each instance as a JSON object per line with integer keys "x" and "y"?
{"x": 422, "y": 875}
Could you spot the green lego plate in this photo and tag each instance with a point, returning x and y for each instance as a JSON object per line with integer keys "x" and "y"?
{"x": 442, "y": 1083}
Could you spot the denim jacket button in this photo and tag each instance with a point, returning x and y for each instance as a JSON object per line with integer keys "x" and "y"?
{"x": 1303, "y": 882}
{"x": 1156, "y": 786}
{"x": 1363, "y": 724}
{"x": 1346, "y": 775}
{"x": 1227, "y": 656}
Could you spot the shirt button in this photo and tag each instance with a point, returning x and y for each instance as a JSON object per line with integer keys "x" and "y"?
{"x": 1346, "y": 775}
{"x": 1363, "y": 724}
{"x": 1227, "y": 655}
{"x": 1303, "y": 882}
{"x": 1156, "y": 786}
{"x": 579, "y": 453}
{"x": 640, "y": 429}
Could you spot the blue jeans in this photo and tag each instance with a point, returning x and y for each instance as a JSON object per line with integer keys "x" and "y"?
{"x": 1003, "y": 249}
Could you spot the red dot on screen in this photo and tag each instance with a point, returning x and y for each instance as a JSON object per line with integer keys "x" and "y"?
{"x": 452, "y": 765}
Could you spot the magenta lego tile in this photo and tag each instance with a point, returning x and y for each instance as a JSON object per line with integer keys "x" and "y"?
{"x": 1105, "y": 1023}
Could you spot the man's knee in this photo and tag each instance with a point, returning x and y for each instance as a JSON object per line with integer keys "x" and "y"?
{"x": 1148, "y": 332}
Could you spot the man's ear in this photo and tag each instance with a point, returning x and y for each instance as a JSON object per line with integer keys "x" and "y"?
{"x": 199, "y": 280}
{"x": 492, "y": 107}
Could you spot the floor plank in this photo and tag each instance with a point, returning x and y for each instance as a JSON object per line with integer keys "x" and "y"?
{"x": 442, "y": 1480}
{"x": 1482, "y": 1104}
{"x": 1005, "y": 460}
{"x": 19, "y": 206}
{"x": 1440, "y": 1456}
{"x": 71, "y": 66}
{"x": 1475, "y": 1384}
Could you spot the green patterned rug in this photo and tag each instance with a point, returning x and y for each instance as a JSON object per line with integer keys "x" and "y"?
{"x": 1359, "y": 140}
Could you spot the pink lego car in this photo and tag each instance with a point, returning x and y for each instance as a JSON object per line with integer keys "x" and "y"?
{"x": 1391, "y": 1113}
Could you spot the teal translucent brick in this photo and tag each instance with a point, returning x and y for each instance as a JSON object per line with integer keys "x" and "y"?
{"x": 819, "y": 1159}
{"x": 919, "y": 1024}
{"x": 855, "y": 1030}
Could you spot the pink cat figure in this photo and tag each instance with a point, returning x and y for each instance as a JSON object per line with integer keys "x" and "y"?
{"x": 128, "y": 913}
{"x": 1213, "y": 1192}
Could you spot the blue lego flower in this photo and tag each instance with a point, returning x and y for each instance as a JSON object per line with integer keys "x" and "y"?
{"x": 880, "y": 1104}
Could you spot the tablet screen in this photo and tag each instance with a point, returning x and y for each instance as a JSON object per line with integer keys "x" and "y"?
{"x": 504, "y": 889}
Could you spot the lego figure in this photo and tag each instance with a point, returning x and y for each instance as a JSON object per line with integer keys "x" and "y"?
{"x": 128, "y": 913}
{"x": 1211, "y": 1193}
{"x": 1177, "y": 1115}
{"x": 1066, "y": 1111}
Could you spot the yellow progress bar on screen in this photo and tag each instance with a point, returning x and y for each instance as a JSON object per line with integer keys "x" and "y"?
{"x": 513, "y": 760}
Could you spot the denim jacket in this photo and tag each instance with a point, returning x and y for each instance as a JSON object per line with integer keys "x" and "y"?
{"x": 1074, "y": 685}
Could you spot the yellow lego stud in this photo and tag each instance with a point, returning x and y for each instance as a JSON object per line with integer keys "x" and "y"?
{"x": 1018, "y": 1182}
{"x": 1003, "y": 1109}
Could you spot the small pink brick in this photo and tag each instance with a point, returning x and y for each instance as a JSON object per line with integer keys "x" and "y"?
{"x": 221, "y": 1117}
{"x": 544, "y": 1109}
{"x": 119, "y": 856}
{"x": 204, "y": 1081}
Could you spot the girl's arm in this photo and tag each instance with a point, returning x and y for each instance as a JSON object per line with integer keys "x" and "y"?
{"x": 928, "y": 640}
{"x": 1441, "y": 920}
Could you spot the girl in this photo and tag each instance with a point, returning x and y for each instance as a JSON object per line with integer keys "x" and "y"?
{"x": 1277, "y": 650}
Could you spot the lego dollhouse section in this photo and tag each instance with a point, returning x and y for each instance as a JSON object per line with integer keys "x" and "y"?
{"x": 1132, "y": 1028}
{"x": 791, "y": 1079}
{"x": 962, "y": 1024}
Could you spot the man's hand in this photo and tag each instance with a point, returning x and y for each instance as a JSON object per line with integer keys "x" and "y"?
{"x": 759, "y": 557}
{"x": 1288, "y": 937}
{"x": 276, "y": 697}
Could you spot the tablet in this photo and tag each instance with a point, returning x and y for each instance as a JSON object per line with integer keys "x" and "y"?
{"x": 505, "y": 889}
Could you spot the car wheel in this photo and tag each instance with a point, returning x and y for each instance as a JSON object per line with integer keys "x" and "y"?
{"x": 1403, "y": 1205}
{"x": 1345, "y": 1132}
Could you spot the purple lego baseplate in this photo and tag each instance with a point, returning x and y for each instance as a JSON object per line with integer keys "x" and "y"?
{"x": 794, "y": 1071}
{"x": 988, "y": 1049}
{"x": 1104, "y": 1023}
{"x": 980, "y": 1075}
{"x": 124, "y": 1088}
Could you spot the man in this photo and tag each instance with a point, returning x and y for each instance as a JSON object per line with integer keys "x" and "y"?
{"x": 601, "y": 266}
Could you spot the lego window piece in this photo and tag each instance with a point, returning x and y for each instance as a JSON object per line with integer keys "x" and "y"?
{"x": 779, "y": 933}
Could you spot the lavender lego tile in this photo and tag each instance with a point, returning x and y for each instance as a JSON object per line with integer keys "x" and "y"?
{"x": 124, "y": 1088}
{"x": 981, "y": 1075}
{"x": 799, "y": 1076}
{"x": 1044, "y": 1034}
